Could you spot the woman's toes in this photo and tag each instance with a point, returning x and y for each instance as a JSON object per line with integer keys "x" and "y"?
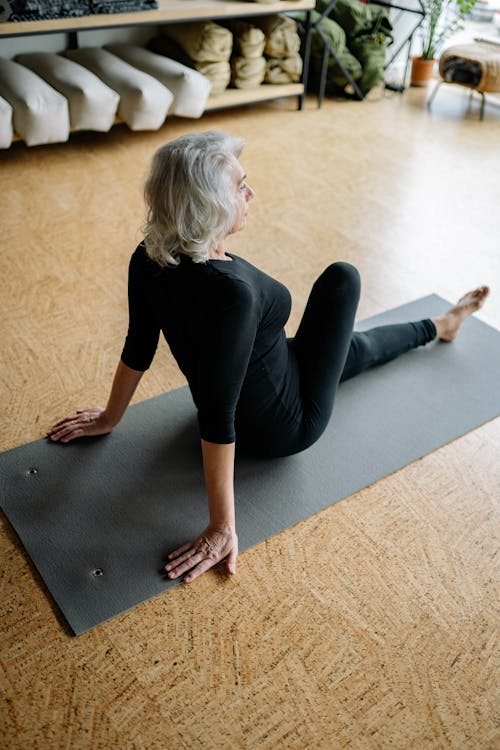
{"x": 448, "y": 325}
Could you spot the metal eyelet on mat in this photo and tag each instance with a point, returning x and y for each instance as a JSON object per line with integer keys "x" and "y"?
{"x": 97, "y": 572}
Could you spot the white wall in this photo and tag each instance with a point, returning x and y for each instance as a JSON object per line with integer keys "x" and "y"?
{"x": 59, "y": 42}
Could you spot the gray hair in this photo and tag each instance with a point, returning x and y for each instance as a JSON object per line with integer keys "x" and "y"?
{"x": 190, "y": 196}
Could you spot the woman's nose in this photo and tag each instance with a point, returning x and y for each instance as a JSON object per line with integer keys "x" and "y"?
{"x": 250, "y": 193}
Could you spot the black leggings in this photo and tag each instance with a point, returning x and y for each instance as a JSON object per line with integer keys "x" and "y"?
{"x": 327, "y": 351}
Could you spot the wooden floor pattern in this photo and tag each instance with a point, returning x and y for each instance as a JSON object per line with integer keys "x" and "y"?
{"x": 373, "y": 624}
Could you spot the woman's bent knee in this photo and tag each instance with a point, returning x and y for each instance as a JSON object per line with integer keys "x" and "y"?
{"x": 343, "y": 276}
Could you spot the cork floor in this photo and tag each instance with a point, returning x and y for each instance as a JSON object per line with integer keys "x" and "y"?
{"x": 370, "y": 625}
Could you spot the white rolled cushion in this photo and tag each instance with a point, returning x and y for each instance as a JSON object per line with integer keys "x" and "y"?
{"x": 5, "y": 124}
{"x": 190, "y": 88}
{"x": 40, "y": 113}
{"x": 92, "y": 104}
{"x": 144, "y": 101}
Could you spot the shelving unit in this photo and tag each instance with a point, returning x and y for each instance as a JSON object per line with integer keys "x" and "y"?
{"x": 169, "y": 11}
{"x": 177, "y": 11}
{"x": 265, "y": 92}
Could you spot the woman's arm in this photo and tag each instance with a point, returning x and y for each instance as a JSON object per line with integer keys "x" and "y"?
{"x": 218, "y": 541}
{"x": 218, "y": 466}
{"x": 96, "y": 420}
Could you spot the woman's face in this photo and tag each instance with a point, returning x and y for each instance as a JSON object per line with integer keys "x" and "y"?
{"x": 244, "y": 195}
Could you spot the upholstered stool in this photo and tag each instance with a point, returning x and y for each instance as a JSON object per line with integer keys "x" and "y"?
{"x": 475, "y": 66}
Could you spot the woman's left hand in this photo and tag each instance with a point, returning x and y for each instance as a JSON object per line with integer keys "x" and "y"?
{"x": 215, "y": 543}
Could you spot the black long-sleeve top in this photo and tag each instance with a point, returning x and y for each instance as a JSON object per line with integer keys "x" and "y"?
{"x": 224, "y": 322}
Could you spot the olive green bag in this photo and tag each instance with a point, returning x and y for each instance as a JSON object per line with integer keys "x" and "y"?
{"x": 370, "y": 49}
{"x": 336, "y": 37}
{"x": 359, "y": 35}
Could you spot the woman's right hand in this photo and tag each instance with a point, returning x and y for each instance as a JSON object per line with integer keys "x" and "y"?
{"x": 84, "y": 423}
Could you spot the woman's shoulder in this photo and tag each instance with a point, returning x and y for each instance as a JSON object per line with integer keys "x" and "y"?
{"x": 140, "y": 256}
{"x": 143, "y": 266}
{"x": 233, "y": 274}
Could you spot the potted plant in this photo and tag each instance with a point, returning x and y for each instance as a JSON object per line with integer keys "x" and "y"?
{"x": 442, "y": 19}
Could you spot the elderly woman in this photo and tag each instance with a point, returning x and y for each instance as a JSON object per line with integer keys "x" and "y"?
{"x": 224, "y": 321}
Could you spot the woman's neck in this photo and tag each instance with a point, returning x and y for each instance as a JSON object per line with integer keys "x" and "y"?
{"x": 218, "y": 253}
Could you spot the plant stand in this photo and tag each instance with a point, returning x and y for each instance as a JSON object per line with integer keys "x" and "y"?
{"x": 408, "y": 39}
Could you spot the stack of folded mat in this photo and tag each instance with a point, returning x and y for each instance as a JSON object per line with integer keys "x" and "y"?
{"x": 282, "y": 49}
{"x": 248, "y": 64}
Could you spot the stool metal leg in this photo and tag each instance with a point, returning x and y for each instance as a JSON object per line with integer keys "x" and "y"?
{"x": 481, "y": 111}
{"x": 431, "y": 98}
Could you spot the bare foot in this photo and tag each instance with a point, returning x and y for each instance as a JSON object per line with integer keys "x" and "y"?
{"x": 448, "y": 325}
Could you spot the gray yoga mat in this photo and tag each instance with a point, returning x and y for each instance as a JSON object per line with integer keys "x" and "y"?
{"x": 98, "y": 517}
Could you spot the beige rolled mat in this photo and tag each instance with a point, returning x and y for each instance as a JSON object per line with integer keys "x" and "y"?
{"x": 285, "y": 70}
{"x": 249, "y": 41}
{"x": 6, "y": 129}
{"x": 92, "y": 104}
{"x": 40, "y": 113}
{"x": 282, "y": 38}
{"x": 203, "y": 41}
{"x": 247, "y": 73}
{"x": 218, "y": 73}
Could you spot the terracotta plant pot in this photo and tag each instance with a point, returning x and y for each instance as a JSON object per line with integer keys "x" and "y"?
{"x": 421, "y": 71}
